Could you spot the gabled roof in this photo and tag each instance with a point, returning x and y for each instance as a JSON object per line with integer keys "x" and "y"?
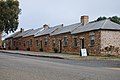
{"x": 23, "y": 33}
{"x": 100, "y": 25}
{"x": 48, "y": 31}
{"x": 33, "y": 32}
{"x": 13, "y": 35}
{"x": 67, "y": 29}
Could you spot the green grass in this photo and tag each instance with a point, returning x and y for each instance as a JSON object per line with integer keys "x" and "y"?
{"x": 95, "y": 58}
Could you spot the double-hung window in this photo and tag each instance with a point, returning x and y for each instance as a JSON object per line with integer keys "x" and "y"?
{"x": 92, "y": 40}
{"x": 36, "y": 43}
{"x": 75, "y": 42}
{"x": 65, "y": 41}
{"x": 30, "y": 42}
{"x": 46, "y": 42}
{"x": 53, "y": 43}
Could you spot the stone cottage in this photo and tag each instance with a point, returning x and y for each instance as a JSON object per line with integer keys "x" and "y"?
{"x": 9, "y": 41}
{"x": 43, "y": 38}
{"x": 99, "y": 38}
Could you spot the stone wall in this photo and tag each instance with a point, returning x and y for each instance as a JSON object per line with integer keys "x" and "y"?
{"x": 70, "y": 48}
{"x": 110, "y": 42}
{"x": 92, "y": 49}
{"x": 105, "y": 42}
{"x": 27, "y": 43}
{"x": 41, "y": 43}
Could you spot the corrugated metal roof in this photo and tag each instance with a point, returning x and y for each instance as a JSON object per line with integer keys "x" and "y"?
{"x": 48, "y": 31}
{"x": 68, "y": 28}
{"x": 74, "y": 29}
{"x": 13, "y": 35}
{"x": 104, "y": 24}
{"x": 33, "y": 32}
{"x": 23, "y": 33}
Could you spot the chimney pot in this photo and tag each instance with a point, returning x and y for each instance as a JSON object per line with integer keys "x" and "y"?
{"x": 21, "y": 30}
{"x": 45, "y": 26}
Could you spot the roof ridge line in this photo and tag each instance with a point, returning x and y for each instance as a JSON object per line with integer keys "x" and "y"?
{"x": 104, "y": 23}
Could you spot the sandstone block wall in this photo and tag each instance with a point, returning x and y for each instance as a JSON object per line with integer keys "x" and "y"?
{"x": 110, "y": 42}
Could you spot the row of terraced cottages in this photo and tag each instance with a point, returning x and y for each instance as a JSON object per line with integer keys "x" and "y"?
{"x": 99, "y": 38}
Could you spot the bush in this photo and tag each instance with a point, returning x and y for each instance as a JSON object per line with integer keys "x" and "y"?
{"x": 41, "y": 49}
{"x": 9, "y": 48}
{"x": 28, "y": 49}
{"x": 55, "y": 50}
{"x": 16, "y": 48}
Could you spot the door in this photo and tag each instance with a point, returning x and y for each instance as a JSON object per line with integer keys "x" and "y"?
{"x": 41, "y": 44}
{"x": 82, "y": 43}
{"x": 60, "y": 46}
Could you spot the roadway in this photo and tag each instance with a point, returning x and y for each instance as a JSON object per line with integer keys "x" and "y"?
{"x": 19, "y": 67}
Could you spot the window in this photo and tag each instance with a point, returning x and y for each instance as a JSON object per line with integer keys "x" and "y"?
{"x": 19, "y": 43}
{"x": 36, "y": 43}
{"x": 46, "y": 42}
{"x": 65, "y": 41}
{"x": 14, "y": 43}
{"x": 75, "y": 42}
{"x": 92, "y": 39}
{"x": 27, "y": 43}
{"x": 41, "y": 44}
{"x": 30, "y": 42}
{"x": 10, "y": 42}
{"x": 24, "y": 43}
{"x": 53, "y": 43}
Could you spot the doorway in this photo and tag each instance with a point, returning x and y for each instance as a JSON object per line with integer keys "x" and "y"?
{"x": 60, "y": 46}
{"x": 41, "y": 44}
{"x": 82, "y": 43}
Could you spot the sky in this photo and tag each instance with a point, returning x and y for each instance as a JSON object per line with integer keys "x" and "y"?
{"x": 36, "y": 13}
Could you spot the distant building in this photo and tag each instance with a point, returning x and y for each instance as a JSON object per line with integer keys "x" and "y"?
{"x": 99, "y": 38}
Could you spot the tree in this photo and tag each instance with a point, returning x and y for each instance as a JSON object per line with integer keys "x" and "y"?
{"x": 9, "y": 12}
{"x": 101, "y": 18}
{"x": 115, "y": 19}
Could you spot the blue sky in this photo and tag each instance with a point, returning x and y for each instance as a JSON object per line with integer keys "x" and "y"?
{"x": 35, "y": 13}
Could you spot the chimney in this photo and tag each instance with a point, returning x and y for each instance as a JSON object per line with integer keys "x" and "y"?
{"x": 45, "y": 26}
{"x": 21, "y": 30}
{"x": 84, "y": 20}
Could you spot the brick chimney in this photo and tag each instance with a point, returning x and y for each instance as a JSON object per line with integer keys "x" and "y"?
{"x": 45, "y": 26}
{"x": 21, "y": 30}
{"x": 84, "y": 20}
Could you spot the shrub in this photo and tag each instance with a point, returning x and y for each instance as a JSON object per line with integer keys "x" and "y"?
{"x": 55, "y": 50}
{"x": 9, "y": 48}
{"x": 28, "y": 49}
{"x": 41, "y": 49}
{"x": 16, "y": 48}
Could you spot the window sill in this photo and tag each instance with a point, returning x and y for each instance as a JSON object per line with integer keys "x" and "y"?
{"x": 65, "y": 46}
{"x": 75, "y": 47}
{"x": 92, "y": 45}
{"x": 45, "y": 45}
{"x": 36, "y": 46}
{"x": 30, "y": 45}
